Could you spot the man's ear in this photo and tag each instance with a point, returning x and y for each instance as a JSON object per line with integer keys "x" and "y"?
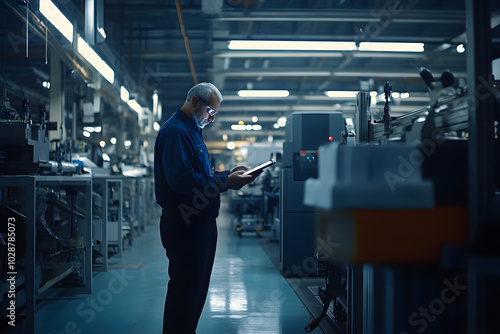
{"x": 195, "y": 100}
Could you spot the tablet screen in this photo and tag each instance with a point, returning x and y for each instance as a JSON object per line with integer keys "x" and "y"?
{"x": 259, "y": 167}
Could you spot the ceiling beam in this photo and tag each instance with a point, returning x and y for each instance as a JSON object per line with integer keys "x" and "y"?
{"x": 360, "y": 15}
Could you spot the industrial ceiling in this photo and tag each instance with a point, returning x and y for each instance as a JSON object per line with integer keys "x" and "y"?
{"x": 150, "y": 50}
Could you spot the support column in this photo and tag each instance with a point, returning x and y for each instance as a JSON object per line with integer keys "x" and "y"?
{"x": 481, "y": 157}
{"x": 57, "y": 97}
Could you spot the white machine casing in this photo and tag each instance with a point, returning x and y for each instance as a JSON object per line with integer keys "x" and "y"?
{"x": 369, "y": 177}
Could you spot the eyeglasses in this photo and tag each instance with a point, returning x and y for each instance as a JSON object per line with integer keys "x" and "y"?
{"x": 211, "y": 111}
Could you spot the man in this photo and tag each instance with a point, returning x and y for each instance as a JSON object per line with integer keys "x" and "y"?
{"x": 187, "y": 189}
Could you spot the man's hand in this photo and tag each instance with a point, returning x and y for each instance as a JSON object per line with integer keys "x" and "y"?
{"x": 238, "y": 180}
{"x": 238, "y": 168}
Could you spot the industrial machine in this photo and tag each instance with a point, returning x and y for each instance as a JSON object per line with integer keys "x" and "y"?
{"x": 45, "y": 194}
{"x": 305, "y": 132}
{"x": 393, "y": 222}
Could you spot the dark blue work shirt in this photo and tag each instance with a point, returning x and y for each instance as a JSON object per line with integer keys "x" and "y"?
{"x": 185, "y": 184}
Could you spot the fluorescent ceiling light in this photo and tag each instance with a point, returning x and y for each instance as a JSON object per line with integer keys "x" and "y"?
{"x": 346, "y": 94}
{"x": 95, "y": 60}
{"x": 341, "y": 94}
{"x": 395, "y": 47}
{"x": 248, "y": 127}
{"x": 263, "y": 93}
{"x": 291, "y": 45}
{"x": 57, "y": 18}
{"x": 135, "y": 106}
{"x": 156, "y": 126}
{"x": 281, "y": 121}
{"x": 102, "y": 32}
{"x": 92, "y": 128}
{"x": 155, "y": 103}
{"x": 236, "y": 127}
{"x": 124, "y": 94}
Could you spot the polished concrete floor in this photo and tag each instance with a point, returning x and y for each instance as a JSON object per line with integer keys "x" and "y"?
{"x": 247, "y": 294}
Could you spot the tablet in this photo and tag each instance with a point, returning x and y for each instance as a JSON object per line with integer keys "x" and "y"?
{"x": 260, "y": 167}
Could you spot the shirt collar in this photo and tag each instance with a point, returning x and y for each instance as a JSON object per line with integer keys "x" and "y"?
{"x": 186, "y": 119}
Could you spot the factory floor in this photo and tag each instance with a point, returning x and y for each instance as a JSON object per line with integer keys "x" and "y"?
{"x": 247, "y": 293}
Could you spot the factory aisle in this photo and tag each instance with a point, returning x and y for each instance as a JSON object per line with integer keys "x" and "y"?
{"x": 247, "y": 294}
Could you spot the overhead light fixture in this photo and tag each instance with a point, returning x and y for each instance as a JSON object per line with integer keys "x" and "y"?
{"x": 155, "y": 103}
{"x": 391, "y": 47}
{"x": 405, "y": 95}
{"x": 86, "y": 134}
{"x": 291, "y": 45}
{"x": 95, "y": 60}
{"x": 231, "y": 145}
{"x": 345, "y": 94}
{"x": 248, "y": 127}
{"x": 341, "y": 94}
{"x": 156, "y": 126}
{"x": 124, "y": 94}
{"x": 281, "y": 121}
{"x": 113, "y": 141}
{"x": 102, "y": 32}
{"x": 237, "y": 127}
{"x": 46, "y": 84}
{"x": 102, "y": 143}
{"x": 127, "y": 144}
{"x": 135, "y": 106}
{"x": 57, "y": 18}
{"x": 255, "y": 119}
{"x": 263, "y": 93}
{"x": 92, "y": 128}
{"x": 460, "y": 48}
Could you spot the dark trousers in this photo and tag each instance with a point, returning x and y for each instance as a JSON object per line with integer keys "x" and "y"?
{"x": 190, "y": 251}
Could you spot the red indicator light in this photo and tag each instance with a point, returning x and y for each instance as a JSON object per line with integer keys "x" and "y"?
{"x": 330, "y": 138}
